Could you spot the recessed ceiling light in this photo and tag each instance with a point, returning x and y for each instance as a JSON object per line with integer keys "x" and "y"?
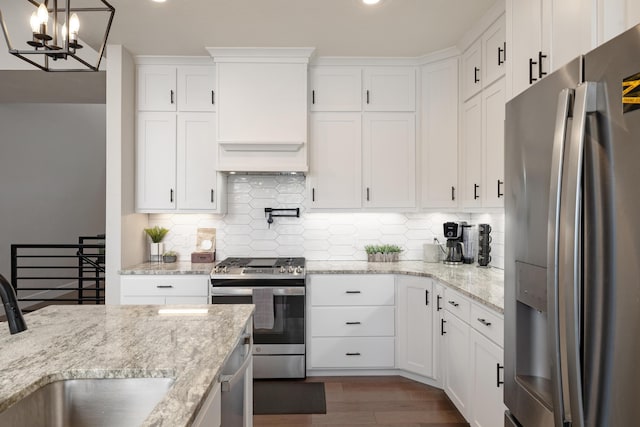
{"x": 370, "y": 1}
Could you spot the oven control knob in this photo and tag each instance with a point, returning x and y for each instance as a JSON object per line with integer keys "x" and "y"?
{"x": 225, "y": 269}
{"x": 299, "y": 270}
{"x": 290, "y": 269}
{"x": 283, "y": 269}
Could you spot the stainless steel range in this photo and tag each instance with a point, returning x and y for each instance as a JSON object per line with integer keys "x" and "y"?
{"x": 277, "y": 287}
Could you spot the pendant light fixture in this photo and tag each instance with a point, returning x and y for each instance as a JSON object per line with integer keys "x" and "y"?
{"x": 55, "y": 35}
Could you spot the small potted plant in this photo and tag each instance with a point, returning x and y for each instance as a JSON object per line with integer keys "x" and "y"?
{"x": 156, "y": 248}
{"x": 383, "y": 253}
{"x": 169, "y": 256}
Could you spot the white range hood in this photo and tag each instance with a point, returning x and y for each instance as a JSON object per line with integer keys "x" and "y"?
{"x": 262, "y": 109}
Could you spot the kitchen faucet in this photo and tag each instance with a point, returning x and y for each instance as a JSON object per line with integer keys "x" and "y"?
{"x": 11, "y": 308}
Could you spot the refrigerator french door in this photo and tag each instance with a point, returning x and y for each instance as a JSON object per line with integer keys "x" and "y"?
{"x": 572, "y": 249}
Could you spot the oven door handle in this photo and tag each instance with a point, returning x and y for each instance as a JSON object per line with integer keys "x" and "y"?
{"x": 278, "y": 291}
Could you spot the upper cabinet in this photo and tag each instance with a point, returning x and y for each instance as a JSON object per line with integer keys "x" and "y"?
{"x": 336, "y": 88}
{"x": 176, "y": 148}
{"x": 483, "y": 62}
{"x": 389, "y": 89}
{"x": 371, "y": 88}
{"x": 176, "y": 88}
{"x": 262, "y": 108}
{"x": 543, "y": 35}
{"x": 439, "y": 139}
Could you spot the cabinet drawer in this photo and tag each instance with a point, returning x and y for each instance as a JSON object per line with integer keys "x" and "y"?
{"x": 353, "y": 321}
{"x": 373, "y": 352}
{"x": 488, "y": 323}
{"x": 457, "y": 304}
{"x": 352, "y": 290}
{"x": 165, "y": 285}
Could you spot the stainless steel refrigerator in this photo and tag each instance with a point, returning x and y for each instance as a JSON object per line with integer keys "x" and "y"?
{"x": 572, "y": 249}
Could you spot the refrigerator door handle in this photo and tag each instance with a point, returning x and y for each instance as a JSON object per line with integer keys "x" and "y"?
{"x": 554, "y": 307}
{"x": 570, "y": 246}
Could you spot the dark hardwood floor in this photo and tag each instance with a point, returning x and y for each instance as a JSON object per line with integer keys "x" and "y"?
{"x": 375, "y": 401}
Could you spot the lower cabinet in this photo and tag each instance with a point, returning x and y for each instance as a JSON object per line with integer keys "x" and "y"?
{"x": 352, "y": 321}
{"x": 164, "y": 289}
{"x": 457, "y": 372}
{"x": 487, "y": 382}
{"x": 211, "y": 413}
{"x": 415, "y": 302}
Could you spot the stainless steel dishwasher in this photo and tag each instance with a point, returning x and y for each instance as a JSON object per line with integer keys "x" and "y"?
{"x": 232, "y": 385}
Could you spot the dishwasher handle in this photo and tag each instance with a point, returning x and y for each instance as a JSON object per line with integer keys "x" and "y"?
{"x": 228, "y": 382}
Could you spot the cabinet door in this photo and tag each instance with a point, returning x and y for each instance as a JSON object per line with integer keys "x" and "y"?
{"x": 494, "y": 46}
{"x": 197, "y": 151}
{"x": 156, "y": 161}
{"x": 335, "y": 176}
{"x": 457, "y": 377}
{"x": 336, "y": 88}
{"x": 156, "y": 88}
{"x": 390, "y": 89}
{"x": 487, "y": 385}
{"x": 439, "y": 134}
{"x": 471, "y": 152}
{"x": 438, "y": 341}
{"x": 572, "y": 30}
{"x": 493, "y": 107}
{"x": 389, "y": 158}
{"x": 524, "y": 21}
{"x": 414, "y": 348}
{"x": 472, "y": 70}
{"x": 196, "y": 88}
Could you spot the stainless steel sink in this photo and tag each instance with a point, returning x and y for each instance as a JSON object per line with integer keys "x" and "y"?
{"x": 88, "y": 402}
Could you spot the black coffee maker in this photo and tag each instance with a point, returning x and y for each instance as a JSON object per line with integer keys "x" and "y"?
{"x": 453, "y": 234}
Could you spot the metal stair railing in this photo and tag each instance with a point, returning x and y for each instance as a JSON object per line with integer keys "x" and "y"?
{"x": 44, "y": 274}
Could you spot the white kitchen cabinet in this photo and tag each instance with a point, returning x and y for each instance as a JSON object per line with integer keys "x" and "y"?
{"x": 415, "y": 324}
{"x": 352, "y": 320}
{"x": 156, "y": 88}
{"x": 164, "y": 289}
{"x": 389, "y": 88}
{"x": 335, "y": 88}
{"x": 439, "y": 358}
{"x": 196, "y": 88}
{"x": 494, "y": 52}
{"x": 487, "y": 383}
{"x": 335, "y": 173}
{"x": 175, "y": 87}
{"x": 200, "y": 186}
{"x": 176, "y": 164}
{"x": 156, "y": 161}
{"x": 471, "y": 72}
{"x": 457, "y": 372}
{"x": 389, "y": 161}
{"x": 482, "y": 148}
{"x": 439, "y": 138}
{"x": 493, "y": 115}
{"x": 211, "y": 413}
{"x": 471, "y": 153}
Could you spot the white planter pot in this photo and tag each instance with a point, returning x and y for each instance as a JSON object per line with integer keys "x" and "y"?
{"x": 155, "y": 252}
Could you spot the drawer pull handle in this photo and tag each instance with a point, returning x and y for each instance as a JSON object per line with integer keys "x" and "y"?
{"x": 352, "y": 354}
{"x": 353, "y": 292}
{"x": 453, "y": 303}
{"x": 353, "y": 323}
{"x": 484, "y": 322}
{"x": 164, "y": 286}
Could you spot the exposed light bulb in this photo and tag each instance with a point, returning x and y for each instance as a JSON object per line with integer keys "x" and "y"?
{"x": 74, "y": 27}
{"x": 43, "y": 14}
{"x": 64, "y": 33}
{"x": 35, "y": 23}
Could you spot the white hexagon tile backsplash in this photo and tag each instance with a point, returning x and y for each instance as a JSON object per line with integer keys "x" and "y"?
{"x": 244, "y": 230}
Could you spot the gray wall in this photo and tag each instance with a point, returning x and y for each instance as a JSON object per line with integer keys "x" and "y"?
{"x": 52, "y": 174}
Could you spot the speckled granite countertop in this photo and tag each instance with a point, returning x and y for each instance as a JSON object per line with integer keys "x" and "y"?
{"x": 66, "y": 342}
{"x": 183, "y": 267}
{"x": 485, "y": 285}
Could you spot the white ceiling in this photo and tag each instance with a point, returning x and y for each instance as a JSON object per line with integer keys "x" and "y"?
{"x": 333, "y": 27}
